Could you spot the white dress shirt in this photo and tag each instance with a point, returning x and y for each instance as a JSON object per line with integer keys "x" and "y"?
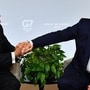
{"x": 88, "y": 66}
{"x": 13, "y": 57}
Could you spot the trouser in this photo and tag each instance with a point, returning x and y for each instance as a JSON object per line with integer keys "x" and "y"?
{"x": 8, "y": 81}
{"x": 73, "y": 80}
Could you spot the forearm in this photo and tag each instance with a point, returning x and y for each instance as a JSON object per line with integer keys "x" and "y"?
{"x": 5, "y": 60}
{"x": 53, "y": 37}
{"x": 66, "y": 34}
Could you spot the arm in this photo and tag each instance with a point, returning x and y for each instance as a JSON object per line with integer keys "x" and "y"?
{"x": 5, "y": 60}
{"x": 6, "y": 49}
{"x": 5, "y": 45}
{"x": 53, "y": 37}
{"x": 56, "y": 37}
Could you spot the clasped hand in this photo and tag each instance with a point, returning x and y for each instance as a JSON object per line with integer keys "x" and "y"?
{"x": 23, "y": 48}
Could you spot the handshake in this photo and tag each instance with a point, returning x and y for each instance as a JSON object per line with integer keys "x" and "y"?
{"x": 23, "y": 48}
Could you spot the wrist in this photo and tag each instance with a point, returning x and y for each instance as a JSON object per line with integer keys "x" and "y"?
{"x": 31, "y": 43}
{"x": 18, "y": 60}
{"x": 17, "y": 52}
{"x": 14, "y": 58}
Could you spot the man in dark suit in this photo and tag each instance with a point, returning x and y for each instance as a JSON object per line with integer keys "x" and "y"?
{"x": 76, "y": 75}
{"x": 8, "y": 55}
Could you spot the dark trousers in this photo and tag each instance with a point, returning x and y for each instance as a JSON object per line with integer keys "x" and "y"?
{"x": 8, "y": 81}
{"x": 73, "y": 80}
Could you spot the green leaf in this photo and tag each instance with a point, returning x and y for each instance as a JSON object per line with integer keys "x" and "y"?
{"x": 22, "y": 80}
{"x": 53, "y": 68}
{"x": 58, "y": 74}
{"x": 42, "y": 77}
{"x": 27, "y": 70}
{"x": 35, "y": 80}
{"x": 47, "y": 67}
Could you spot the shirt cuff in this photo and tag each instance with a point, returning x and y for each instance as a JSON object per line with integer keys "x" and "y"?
{"x": 88, "y": 66}
{"x": 13, "y": 57}
{"x": 31, "y": 44}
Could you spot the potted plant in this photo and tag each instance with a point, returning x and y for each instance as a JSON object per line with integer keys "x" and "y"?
{"x": 43, "y": 64}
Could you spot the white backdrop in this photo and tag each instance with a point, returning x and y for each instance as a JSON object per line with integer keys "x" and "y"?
{"x": 27, "y": 19}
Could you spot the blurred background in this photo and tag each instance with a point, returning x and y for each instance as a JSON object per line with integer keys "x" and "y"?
{"x": 27, "y": 19}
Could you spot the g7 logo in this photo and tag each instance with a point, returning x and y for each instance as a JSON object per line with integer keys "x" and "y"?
{"x": 27, "y": 23}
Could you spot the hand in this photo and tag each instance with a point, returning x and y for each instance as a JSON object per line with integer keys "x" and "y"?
{"x": 26, "y": 47}
{"x": 23, "y": 48}
{"x": 18, "y": 50}
{"x": 88, "y": 87}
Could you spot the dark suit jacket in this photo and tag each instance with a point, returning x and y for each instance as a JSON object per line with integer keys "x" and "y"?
{"x": 5, "y": 51}
{"x": 80, "y": 32}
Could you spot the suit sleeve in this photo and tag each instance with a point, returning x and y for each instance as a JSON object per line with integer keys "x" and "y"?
{"x": 5, "y": 51}
{"x": 5, "y": 45}
{"x": 5, "y": 60}
{"x": 55, "y": 37}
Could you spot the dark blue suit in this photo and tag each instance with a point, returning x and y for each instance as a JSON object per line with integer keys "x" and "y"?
{"x": 75, "y": 77}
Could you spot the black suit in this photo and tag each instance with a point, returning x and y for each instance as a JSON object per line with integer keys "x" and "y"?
{"x": 75, "y": 77}
{"x": 7, "y": 80}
